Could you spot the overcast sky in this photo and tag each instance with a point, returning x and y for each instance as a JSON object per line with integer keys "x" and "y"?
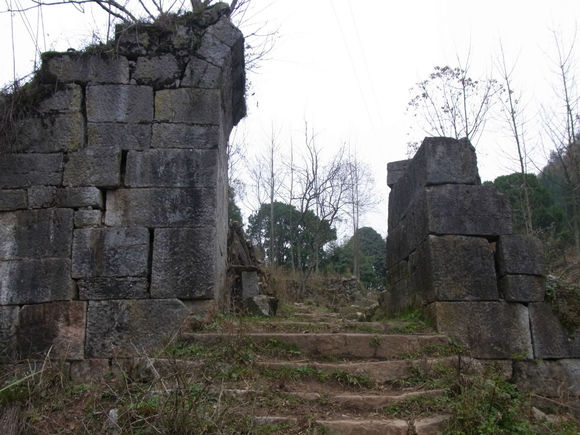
{"x": 346, "y": 67}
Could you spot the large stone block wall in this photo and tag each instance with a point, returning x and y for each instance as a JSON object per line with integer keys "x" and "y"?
{"x": 451, "y": 250}
{"x": 113, "y": 190}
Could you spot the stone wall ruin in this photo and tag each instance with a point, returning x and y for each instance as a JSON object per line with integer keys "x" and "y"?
{"x": 113, "y": 190}
{"x": 451, "y": 250}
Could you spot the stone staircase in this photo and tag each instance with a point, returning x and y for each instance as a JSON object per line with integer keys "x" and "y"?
{"x": 311, "y": 371}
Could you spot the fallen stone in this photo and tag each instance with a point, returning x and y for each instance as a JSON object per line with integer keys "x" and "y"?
{"x": 35, "y": 281}
{"x": 551, "y": 339}
{"x": 431, "y": 425}
{"x": 35, "y": 234}
{"x": 110, "y": 252}
{"x": 25, "y": 170}
{"x": 172, "y": 168}
{"x": 188, "y": 105}
{"x": 261, "y": 305}
{"x": 491, "y": 330}
{"x": 58, "y": 327}
{"x": 119, "y": 103}
{"x": 158, "y": 207}
{"x": 131, "y": 327}
{"x": 89, "y": 370}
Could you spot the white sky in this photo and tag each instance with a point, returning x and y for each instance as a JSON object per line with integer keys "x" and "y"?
{"x": 346, "y": 67}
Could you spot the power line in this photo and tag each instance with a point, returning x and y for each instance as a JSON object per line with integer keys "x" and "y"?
{"x": 353, "y": 66}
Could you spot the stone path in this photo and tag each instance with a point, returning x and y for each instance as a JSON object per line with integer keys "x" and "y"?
{"x": 310, "y": 371}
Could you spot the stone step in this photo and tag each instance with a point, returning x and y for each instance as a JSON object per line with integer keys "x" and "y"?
{"x": 334, "y": 326}
{"x": 360, "y": 401}
{"x": 358, "y": 426}
{"x": 347, "y": 345}
{"x": 380, "y": 372}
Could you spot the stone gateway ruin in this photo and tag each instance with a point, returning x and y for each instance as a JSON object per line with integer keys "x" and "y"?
{"x": 113, "y": 200}
{"x": 114, "y": 226}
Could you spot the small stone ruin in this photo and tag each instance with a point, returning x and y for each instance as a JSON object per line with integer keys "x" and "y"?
{"x": 451, "y": 250}
{"x": 113, "y": 190}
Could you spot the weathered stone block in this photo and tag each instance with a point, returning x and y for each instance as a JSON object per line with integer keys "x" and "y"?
{"x": 455, "y": 268}
{"x": 13, "y": 200}
{"x": 93, "y": 167}
{"x": 395, "y": 170}
{"x": 188, "y": 105}
{"x": 157, "y": 71}
{"x": 118, "y": 136}
{"x": 8, "y": 327}
{"x": 551, "y": 339}
{"x": 467, "y": 210}
{"x": 42, "y": 196}
{"x": 522, "y": 288}
{"x": 184, "y": 263}
{"x": 517, "y": 254}
{"x": 172, "y": 168}
{"x": 57, "y": 326}
{"x": 438, "y": 161}
{"x": 202, "y": 74}
{"x": 250, "y": 285}
{"x": 24, "y": 170}
{"x": 51, "y": 133}
{"x": 110, "y": 252}
{"x": 119, "y": 103}
{"x": 213, "y": 49}
{"x": 35, "y": 234}
{"x": 186, "y": 136}
{"x": 86, "y": 67}
{"x": 113, "y": 288}
{"x": 559, "y": 379}
{"x": 68, "y": 99}
{"x": 132, "y": 327}
{"x": 88, "y": 218}
{"x": 160, "y": 207}
{"x": 78, "y": 197}
{"x": 492, "y": 330}
{"x": 35, "y": 281}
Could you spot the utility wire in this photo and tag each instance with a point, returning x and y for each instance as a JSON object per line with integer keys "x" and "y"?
{"x": 353, "y": 66}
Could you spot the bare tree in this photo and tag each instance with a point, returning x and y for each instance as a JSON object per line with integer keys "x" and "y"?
{"x": 450, "y": 103}
{"x": 561, "y": 126}
{"x": 513, "y": 115}
{"x": 359, "y": 200}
